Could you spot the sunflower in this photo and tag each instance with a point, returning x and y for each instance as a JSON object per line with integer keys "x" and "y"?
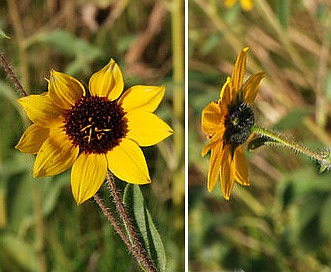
{"x": 246, "y": 5}
{"x": 227, "y": 123}
{"x": 92, "y": 130}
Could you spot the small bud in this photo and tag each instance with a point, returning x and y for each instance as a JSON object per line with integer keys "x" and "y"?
{"x": 325, "y": 161}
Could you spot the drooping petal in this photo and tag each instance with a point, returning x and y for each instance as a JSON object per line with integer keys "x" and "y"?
{"x": 108, "y": 82}
{"x": 32, "y": 139}
{"x": 227, "y": 172}
{"x": 246, "y": 5}
{"x": 145, "y": 128}
{"x": 64, "y": 90}
{"x": 41, "y": 110}
{"x": 241, "y": 175}
{"x": 56, "y": 155}
{"x": 144, "y": 98}
{"x": 217, "y": 138}
{"x": 127, "y": 162}
{"x": 251, "y": 87}
{"x": 87, "y": 175}
{"x": 214, "y": 166}
{"x": 239, "y": 69}
{"x": 211, "y": 118}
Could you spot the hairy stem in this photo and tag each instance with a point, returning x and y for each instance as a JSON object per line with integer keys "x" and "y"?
{"x": 118, "y": 229}
{"x": 141, "y": 253}
{"x": 12, "y": 76}
{"x": 278, "y": 139}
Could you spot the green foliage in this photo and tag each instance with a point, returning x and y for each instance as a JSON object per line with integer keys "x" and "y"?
{"x": 143, "y": 222}
{"x": 281, "y": 222}
{"x": 67, "y": 44}
{"x": 41, "y": 227}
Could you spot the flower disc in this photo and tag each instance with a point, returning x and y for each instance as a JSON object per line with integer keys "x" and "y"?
{"x": 95, "y": 124}
{"x": 238, "y": 124}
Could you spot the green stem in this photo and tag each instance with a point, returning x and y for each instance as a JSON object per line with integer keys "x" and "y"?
{"x": 135, "y": 245}
{"x": 271, "y": 137}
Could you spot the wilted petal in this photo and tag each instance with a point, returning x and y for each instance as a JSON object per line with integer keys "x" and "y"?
{"x": 239, "y": 70}
{"x": 146, "y": 129}
{"x": 144, "y": 98}
{"x": 87, "y": 175}
{"x": 108, "y": 82}
{"x": 32, "y": 139}
{"x": 64, "y": 90}
{"x": 227, "y": 172}
{"x": 41, "y": 110}
{"x": 56, "y": 155}
{"x": 241, "y": 167}
{"x": 251, "y": 87}
{"x": 127, "y": 162}
{"x": 214, "y": 166}
{"x": 211, "y": 118}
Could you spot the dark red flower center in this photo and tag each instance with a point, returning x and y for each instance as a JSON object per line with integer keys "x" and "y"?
{"x": 238, "y": 124}
{"x": 95, "y": 124}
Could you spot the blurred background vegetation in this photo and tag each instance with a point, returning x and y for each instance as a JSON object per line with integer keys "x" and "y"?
{"x": 282, "y": 222}
{"x": 41, "y": 228}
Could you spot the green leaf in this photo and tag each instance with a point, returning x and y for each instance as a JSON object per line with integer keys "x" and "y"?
{"x": 283, "y": 12}
{"x": 16, "y": 253}
{"x": 3, "y": 35}
{"x": 325, "y": 219}
{"x": 142, "y": 220}
{"x": 293, "y": 119}
{"x": 67, "y": 44}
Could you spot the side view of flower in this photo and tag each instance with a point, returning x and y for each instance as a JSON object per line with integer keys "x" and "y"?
{"x": 228, "y": 124}
{"x": 93, "y": 130}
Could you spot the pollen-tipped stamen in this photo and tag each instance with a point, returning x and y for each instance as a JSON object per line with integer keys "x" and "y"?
{"x": 95, "y": 124}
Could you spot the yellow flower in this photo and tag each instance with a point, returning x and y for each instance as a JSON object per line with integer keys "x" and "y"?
{"x": 246, "y": 5}
{"x": 93, "y": 130}
{"x": 227, "y": 124}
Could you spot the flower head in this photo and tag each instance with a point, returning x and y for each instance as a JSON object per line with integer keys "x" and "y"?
{"x": 93, "y": 130}
{"x": 227, "y": 123}
{"x": 246, "y": 5}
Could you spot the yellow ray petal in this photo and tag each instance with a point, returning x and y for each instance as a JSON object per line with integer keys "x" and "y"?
{"x": 55, "y": 156}
{"x": 87, "y": 175}
{"x": 41, "y": 110}
{"x": 241, "y": 175}
{"x": 227, "y": 172}
{"x": 246, "y": 5}
{"x": 64, "y": 90}
{"x": 32, "y": 139}
{"x": 227, "y": 94}
{"x": 145, "y": 128}
{"x": 108, "y": 82}
{"x": 211, "y": 118}
{"x": 127, "y": 162}
{"x": 214, "y": 166}
{"x": 239, "y": 70}
{"x": 144, "y": 98}
{"x": 251, "y": 87}
{"x": 216, "y": 139}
